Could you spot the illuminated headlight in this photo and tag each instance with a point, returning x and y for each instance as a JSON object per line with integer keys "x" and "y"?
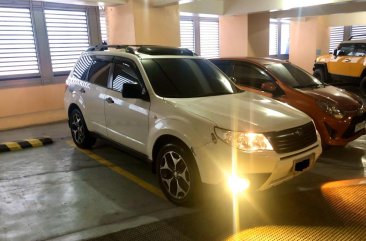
{"x": 330, "y": 109}
{"x": 245, "y": 141}
{"x": 238, "y": 184}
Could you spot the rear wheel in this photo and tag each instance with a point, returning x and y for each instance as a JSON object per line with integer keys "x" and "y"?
{"x": 319, "y": 74}
{"x": 178, "y": 175}
{"x": 79, "y": 132}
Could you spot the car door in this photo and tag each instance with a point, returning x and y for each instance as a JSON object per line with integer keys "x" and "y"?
{"x": 126, "y": 118}
{"x": 251, "y": 77}
{"x": 94, "y": 93}
{"x": 357, "y": 59}
{"x": 340, "y": 64}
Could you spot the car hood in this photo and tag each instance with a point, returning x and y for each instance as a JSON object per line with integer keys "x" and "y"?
{"x": 339, "y": 97}
{"x": 244, "y": 112}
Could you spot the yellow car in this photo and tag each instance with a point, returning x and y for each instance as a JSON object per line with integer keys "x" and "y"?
{"x": 347, "y": 64}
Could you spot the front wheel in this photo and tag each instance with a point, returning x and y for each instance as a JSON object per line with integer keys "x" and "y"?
{"x": 178, "y": 175}
{"x": 79, "y": 131}
{"x": 319, "y": 74}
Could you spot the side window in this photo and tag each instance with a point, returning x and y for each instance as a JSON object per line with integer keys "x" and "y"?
{"x": 82, "y": 67}
{"x": 250, "y": 76}
{"x": 99, "y": 71}
{"x": 124, "y": 72}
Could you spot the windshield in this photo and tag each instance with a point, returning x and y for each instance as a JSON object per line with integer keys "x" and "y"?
{"x": 186, "y": 78}
{"x": 293, "y": 76}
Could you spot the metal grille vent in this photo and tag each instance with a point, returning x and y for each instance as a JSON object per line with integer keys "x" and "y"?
{"x": 209, "y": 38}
{"x": 358, "y": 30}
{"x": 68, "y": 37}
{"x": 335, "y": 37}
{"x": 17, "y": 46}
{"x": 293, "y": 139}
{"x": 187, "y": 34}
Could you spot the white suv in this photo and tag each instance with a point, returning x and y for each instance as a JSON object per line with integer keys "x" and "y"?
{"x": 185, "y": 116}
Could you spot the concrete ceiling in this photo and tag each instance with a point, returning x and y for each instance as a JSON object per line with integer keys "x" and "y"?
{"x": 225, "y": 7}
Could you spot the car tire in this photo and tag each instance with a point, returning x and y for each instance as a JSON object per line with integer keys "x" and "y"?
{"x": 79, "y": 132}
{"x": 319, "y": 74}
{"x": 363, "y": 86}
{"x": 178, "y": 174}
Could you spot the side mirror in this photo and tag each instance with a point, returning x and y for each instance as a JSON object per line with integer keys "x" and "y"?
{"x": 269, "y": 87}
{"x": 335, "y": 52}
{"x": 132, "y": 91}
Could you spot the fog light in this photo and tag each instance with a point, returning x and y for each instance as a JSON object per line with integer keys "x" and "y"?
{"x": 238, "y": 184}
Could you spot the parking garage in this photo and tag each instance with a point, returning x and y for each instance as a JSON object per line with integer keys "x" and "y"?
{"x": 53, "y": 190}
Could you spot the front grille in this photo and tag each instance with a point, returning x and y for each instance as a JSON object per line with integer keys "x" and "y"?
{"x": 351, "y": 129}
{"x": 292, "y": 139}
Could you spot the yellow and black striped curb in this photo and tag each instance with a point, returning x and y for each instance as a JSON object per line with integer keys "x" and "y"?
{"x": 22, "y": 144}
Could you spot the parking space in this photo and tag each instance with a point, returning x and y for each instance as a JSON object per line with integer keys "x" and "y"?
{"x": 63, "y": 193}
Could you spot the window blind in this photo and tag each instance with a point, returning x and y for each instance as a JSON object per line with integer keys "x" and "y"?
{"x": 187, "y": 34}
{"x": 209, "y": 38}
{"x": 335, "y": 37}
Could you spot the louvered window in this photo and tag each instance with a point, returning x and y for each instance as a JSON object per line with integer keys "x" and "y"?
{"x": 103, "y": 25}
{"x": 209, "y": 37}
{"x": 200, "y": 33}
{"x": 68, "y": 37}
{"x": 358, "y": 32}
{"x": 335, "y": 37}
{"x": 17, "y": 47}
{"x": 187, "y": 34}
{"x": 273, "y": 39}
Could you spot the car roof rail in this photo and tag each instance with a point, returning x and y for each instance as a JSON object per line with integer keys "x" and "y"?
{"x": 361, "y": 35}
{"x": 144, "y": 49}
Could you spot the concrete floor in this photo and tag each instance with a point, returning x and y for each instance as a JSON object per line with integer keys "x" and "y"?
{"x": 58, "y": 192}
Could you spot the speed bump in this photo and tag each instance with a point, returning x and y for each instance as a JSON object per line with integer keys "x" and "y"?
{"x": 23, "y": 144}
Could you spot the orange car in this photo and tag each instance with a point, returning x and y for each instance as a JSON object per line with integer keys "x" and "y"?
{"x": 339, "y": 116}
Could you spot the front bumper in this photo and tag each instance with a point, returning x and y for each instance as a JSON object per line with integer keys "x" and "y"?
{"x": 264, "y": 169}
{"x": 340, "y": 132}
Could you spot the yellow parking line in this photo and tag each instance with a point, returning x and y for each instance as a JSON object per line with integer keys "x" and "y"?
{"x": 147, "y": 186}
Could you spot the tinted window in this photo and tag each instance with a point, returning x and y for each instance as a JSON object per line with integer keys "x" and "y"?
{"x": 98, "y": 73}
{"x": 124, "y": 72}
{"x": 249, "y": 75}
{"x": 82, "y": 67}
{"x": 225, "y": 66}
{"x": 346, "y": 49}
{"x": 185, "y": 78}
{"x": 293, "y": 76}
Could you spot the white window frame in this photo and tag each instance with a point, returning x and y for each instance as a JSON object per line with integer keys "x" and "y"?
{"x": 278, "y": 23}
{"x": 46, "y": 74}
{"x": 197, "y": 19}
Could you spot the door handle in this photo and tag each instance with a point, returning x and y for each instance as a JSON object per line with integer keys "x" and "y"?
{"x": 109, "y": 100}
{"x": 82, "y": 90}
{"x": 347, "y": 60}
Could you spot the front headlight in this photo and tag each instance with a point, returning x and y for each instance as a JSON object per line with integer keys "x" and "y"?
{"x": 245, "y": 141}
{"x": 330, "y": 109}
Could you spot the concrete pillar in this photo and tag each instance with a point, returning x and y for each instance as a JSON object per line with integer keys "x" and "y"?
{"x": 308, "y": 38}
{"x": 258, "y": 34}
{"x": 233, "y": 36}
{"x": 139, "y": 23}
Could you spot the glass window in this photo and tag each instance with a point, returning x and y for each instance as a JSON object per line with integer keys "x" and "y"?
{"x": 186, "y": 78}
{"x": 251, "y": 76}
{"x": 82, "y": 67}
{"x": 346, "y": 49}
{"x": 335, "y": 37}
{"x": 99, "y": 71}
{"x": 123, "y": 73}
{"x": 293, "y": 76}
